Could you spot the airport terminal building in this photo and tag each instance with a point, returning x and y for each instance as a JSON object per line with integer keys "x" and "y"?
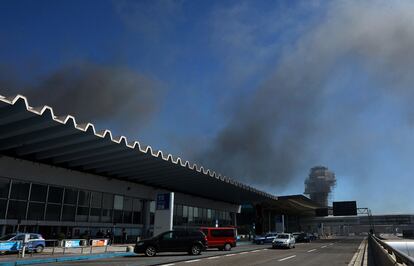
{"x": 61, "y": 177}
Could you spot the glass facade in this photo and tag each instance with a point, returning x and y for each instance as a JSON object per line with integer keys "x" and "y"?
{"x": 31, "y": 201}
{"x": 189, "y": 215}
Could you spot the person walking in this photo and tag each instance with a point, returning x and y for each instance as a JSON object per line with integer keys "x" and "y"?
{"x": 124, "y": 236}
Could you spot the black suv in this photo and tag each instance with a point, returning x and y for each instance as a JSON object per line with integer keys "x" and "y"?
{"x": 192, "y": 242}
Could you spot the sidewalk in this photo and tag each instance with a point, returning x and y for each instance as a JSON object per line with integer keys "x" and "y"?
{"x": 59, "y": 254}
{"x": 62, "y": 258}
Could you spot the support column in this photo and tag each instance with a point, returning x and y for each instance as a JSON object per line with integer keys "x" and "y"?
{"x": 164, "y": 212}
{"x": 146, "y": 218}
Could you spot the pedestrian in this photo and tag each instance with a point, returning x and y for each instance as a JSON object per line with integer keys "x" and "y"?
{"x": 108, "y": 235}
{"x": 124, "y": 236}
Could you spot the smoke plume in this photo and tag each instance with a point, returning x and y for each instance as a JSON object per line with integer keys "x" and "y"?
{"x": 93, "y": 92}
{"x": 271, "y": 133}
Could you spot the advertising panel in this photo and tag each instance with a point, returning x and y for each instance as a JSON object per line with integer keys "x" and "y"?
{"x": 99, "y": 242}
{"x": 10, "y": 245}
{"x": 73, "y": 243}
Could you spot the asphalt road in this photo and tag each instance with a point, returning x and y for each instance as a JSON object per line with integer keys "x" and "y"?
{"x": 321, "y": 252}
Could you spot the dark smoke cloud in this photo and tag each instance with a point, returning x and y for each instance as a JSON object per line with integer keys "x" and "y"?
{"x": 92, "y": 92}
{"x": 270, "y": 134}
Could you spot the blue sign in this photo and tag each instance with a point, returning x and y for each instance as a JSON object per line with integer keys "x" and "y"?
{"x": 72, "y": 243}
{"x": 163, "y": 201}
{"x": 10, "y": 246}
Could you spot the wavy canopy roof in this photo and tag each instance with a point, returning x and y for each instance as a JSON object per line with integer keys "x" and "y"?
{"x": 37, "y": 134}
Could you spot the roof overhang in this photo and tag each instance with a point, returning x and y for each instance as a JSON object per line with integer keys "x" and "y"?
{"x": 293, "y": 204}
{"x": 37, "y": 134}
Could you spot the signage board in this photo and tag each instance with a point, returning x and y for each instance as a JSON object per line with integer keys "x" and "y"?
{"x": 344, "y": 208}
{"x": 73, "y": 243}
{"x": 10, "y": 245}
{"x": 99, "y": 242}
{"x": 163, "y": 201}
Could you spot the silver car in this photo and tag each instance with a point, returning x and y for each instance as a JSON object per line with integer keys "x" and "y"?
{"x": 284, "y": 240}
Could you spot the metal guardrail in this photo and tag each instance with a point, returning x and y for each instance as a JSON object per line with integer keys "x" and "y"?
{"x": 399, "y": 256}
{"x": 56, "y": 246}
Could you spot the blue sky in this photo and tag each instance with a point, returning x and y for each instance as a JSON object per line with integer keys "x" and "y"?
{"x": 337, "y": 72}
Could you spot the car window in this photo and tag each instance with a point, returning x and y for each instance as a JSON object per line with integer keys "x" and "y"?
{"x": 34, "y": 236}
{"x": 19, "y": 237}
{"x": 283, "y": 236}
{"x": 167, "y": 236}
{"x": 222, "y": 232}
{"x": 180, "y": 234}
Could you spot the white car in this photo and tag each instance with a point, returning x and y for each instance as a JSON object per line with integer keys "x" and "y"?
{"x": 284, "y": 240}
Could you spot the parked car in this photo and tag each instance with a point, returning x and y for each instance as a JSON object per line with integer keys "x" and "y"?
{"x": 267, "y": 238}
{"x": 301, "y": 237}
{"x": 36, "y": 242}
{"x": 223, "y": 238}
{"x": 284, "y": 240}
{"x": 192, "y": 242}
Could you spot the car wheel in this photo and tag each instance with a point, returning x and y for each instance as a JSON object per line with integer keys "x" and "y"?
{"x": 150, "y": 251}
{"x": 39, "y": 249}
{"x": 227, "y": 247}
{"x": 195, "y": 250}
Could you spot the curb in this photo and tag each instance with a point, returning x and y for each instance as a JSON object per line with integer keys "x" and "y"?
{"x": 65, "y": 259}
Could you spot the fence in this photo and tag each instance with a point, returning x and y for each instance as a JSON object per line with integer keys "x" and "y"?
{"x": 55, "y": 246}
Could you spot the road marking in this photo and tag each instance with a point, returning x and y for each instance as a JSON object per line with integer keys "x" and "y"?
{"x": 245, "y": 252}
{"x": 257, "y": 250}
{"x": 312, "y": 250}
{"x": 171, "y": 264}
{"x": 189, "y": 261}
{"x": 287, "y": 258}
{"x": 331, "y": 244}
{"x": 212, "y": 258}
{"x": 229, "y": 255}
{"x": 323, "y": 246}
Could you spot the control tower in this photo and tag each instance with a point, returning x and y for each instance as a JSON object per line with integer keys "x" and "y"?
{"x": 319, "y": 185}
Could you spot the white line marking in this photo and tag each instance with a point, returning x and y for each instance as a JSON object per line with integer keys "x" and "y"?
{"x": 171, "y": 264}
{"x": 189, "y": 261}
{"x": 323, "y": 246}
{"x": 287, "y": 258}
{"x": 312, "y": 250}
{"x": 244, "y": 252}
{"x": 257, "y": 250}
{"x": 331, "y": 244}
{"x": 229, "y": 255}
{"x": 212, "y": 258}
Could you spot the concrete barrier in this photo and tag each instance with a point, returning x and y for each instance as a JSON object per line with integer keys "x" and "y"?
{"x": 382, "y": 254}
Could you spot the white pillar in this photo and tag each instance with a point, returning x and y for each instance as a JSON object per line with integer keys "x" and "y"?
{"x": 164, "y": 212}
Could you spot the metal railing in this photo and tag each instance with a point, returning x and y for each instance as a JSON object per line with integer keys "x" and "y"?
{"x": 55, "y": 246}
{"x": 384, "y": 254}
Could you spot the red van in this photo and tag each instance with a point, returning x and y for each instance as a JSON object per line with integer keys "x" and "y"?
{"x": 223, "y": 238}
